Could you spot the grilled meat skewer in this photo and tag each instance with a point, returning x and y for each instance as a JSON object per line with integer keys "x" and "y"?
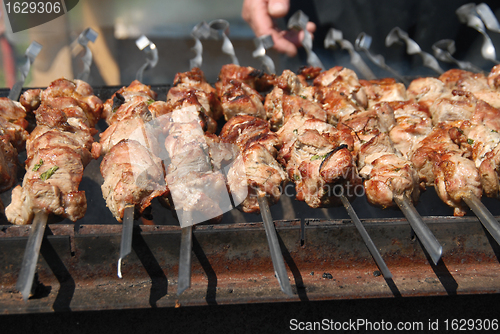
{"x": 58, "y": 149}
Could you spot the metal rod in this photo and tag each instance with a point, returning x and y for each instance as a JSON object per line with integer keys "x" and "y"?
{"x": 144, "y": 44}
{"x": 484, "y": 215}
{"x": 31, "y": 52}
{"x": 31, "y": 254}
{"x": 298, "y": 22}
{"x": 366, "y": 238}
{"x": 127, "y": 231}
{"x": 185, "y": 259}
{"x": 274, "y": 247}
{"x": 424, "y": 234}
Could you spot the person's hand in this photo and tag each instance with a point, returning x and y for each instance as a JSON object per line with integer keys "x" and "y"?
{"x": 260, "y": 15}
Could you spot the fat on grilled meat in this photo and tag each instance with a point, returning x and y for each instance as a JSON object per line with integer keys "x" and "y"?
{"x": 58, "y": 150}
{"x": 131, "y": 168}
{"x": 256, "y": 171}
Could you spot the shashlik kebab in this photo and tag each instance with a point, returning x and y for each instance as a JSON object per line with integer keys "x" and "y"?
{"x": 463, "y": 158}
{"x": 255, "y": 178}
{"x": 58, "y": 149}
{"x": 131, "y": 168}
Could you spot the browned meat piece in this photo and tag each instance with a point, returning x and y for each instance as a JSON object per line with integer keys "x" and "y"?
{"x": 256, "y": 172}
{"x": 13, "y": 123}
{"x": 459, "y": 105}
{"x": 388, "y": 176}
{"x": 413, "y": 123}
{"x": 426, "y": 90}
{"x": 494, "y": 78}
{"x": 442, "y": 160}
{"x": 194, "y": 82}
{"x": 63, "y": 88}
{"x": 281, "y": 107}
{"x": 455, "y": 178}
{"x": 246, "y": 130}
{"x": 340, "y": 93}
{"x": 322, "y": 166}
{"x": 238, "y": 98}
{"x": 257, "y": 79}
{"x": 132, "y": 176}
{"x": 383, "y": 90}
{"x": 8, "y": 164}
{"x": 130, "y": 101}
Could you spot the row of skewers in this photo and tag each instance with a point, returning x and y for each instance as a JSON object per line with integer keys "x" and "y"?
{"x": 326, "y": 131}
{"x": 327, "y": 137}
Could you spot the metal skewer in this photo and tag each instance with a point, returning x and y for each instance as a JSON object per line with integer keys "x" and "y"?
{"x": 88, "y": 35}
{"x": 274, "y": 247}
{"x": 335, "y": 37}
{"x": 445, "y": 48}
{"x": 484, "y": 216}
{"x": 200, "y": 31}
{"x": 222, "y": 28}
{"x": 366, "y": 238}
{"x": 362, "y": 43}
{"x": 424, "y": 234}
{"x": 144, "y": 44}
{"x": 298, "y": 22}
{"x": 31, "y": 254}
{"x": 127, "y": 231}
{"x": 412, "y": 48}
{"x": 489, "y": 19}
{"x": 468, "y": 14}
{"x": 263, "y": 43}
{"x": 31, "y": 52}
{"x": 185, "y": 259}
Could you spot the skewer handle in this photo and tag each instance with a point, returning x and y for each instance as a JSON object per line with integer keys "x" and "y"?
{"x": 31, "y": 52}
{"x": 424, "y": 234}
{"x": 274, "y": 247}
{"x": 127, "y": 231}
{"x": 185, "y": 259}
{"x": 366, "y": 238}
{"x": 484, "y": 215}
{"x": 31, "y": 254}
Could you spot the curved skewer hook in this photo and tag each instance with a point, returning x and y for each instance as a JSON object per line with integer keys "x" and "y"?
{"x": 222, "y": 29}
{"x": 144, "y": 44}
{"x": 445, "y": 48}
{"x": 412, "y": 48}
{"x": 362, "y": 43}
{"x": 468, "y": 14}
{"x": 298, "y": 22}
{"x": 88, "y": 35}
{"x": 263, "y": 43}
